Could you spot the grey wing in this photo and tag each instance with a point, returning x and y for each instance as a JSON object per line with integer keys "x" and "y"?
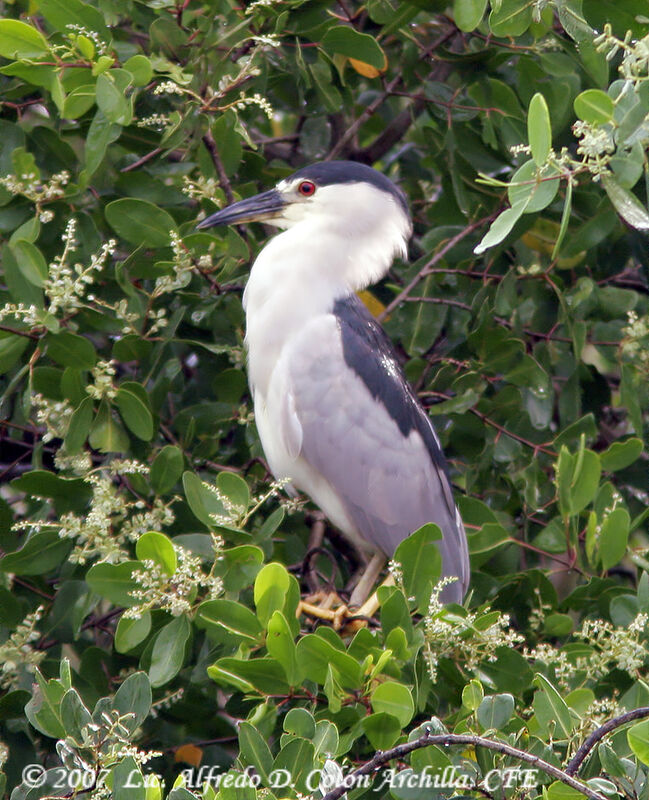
{"x": 364, "y": 432}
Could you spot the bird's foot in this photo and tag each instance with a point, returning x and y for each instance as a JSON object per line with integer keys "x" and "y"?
{"x": 330, "y": 607}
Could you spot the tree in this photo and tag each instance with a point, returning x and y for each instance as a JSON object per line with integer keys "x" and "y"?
{"x": 150, "y": 568}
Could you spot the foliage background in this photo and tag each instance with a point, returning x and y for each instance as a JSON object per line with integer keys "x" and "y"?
{"x": 130, "y": 463}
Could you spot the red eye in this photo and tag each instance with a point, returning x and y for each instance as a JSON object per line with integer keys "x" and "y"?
{"x": 306, "y": 188}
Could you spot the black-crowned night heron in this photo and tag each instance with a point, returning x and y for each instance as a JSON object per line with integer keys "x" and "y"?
{"x": 334, "y": 411}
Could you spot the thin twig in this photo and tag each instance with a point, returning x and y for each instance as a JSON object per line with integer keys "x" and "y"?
{"x": 446, "y": 739}
{"x": 147, "y": 157}
{"x": 224, "y": 181}
{"x": 588, "y": 744}
{"x": 367, "y": 113}
{"x": 428, "y": 266}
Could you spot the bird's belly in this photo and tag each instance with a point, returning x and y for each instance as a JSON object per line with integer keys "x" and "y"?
{"x": 270, "y": 418}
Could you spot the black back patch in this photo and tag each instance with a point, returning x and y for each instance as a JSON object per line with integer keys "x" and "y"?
{"x": 369, "y": 352}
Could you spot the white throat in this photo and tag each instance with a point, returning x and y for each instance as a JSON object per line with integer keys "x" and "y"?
{"x": 322, "y": 256}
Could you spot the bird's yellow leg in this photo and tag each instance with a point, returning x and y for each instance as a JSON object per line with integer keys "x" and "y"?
{"x": 339, "y": 617}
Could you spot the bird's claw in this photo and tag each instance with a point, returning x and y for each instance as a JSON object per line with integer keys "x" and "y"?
{"x": 341, "y": 617}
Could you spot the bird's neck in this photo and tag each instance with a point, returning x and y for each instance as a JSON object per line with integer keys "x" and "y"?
{"x": 299, "y": 275}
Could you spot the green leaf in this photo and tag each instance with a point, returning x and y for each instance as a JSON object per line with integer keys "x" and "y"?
{"x": 421, "y": 564}
{"x": 638, "y": 739}
{"x": 532, "y": 188}
{"x": 19, "y": 40}
{"x": 11, "y": 348}
{"x": 495, "y": 711}
{"x": 594, "y": 106}
{"x": 133, "y": 404}
{"x": 300, "y": 722}
{"x": 127, "y": 780}
{"x": 59, "y": 13}
{"x": 134, "y": 697}
{"x": 111, "y": 101}
{"x": 472, "y": 694}
{"x": 254, "y": 750}
{"x": 621, "y": 454}
{"x": 40, "y": 554}
{"x": 539, "y": 132}
{"x": 264, "y": 675}
{"x": 296, "y": 760}
{"x": 168, "y": 654}
{"x": 105, "y": 434}
{"x": 132, "y": 632}
{"x": 551, "y": 709}
{"x": 140, "y": 222}
{"x": 74, "y": 715}
{"x": 79, "y": 426}
{"x": 271, "y": 586}
{"x": 101, "y": 133}
{"x": 234, "y": 488}
{"x": 31, "y": 262}
{"x": 500, "y": 228}
{"x": 71, "y": 350}
{"x": 626, "y": 204}
{"x": 393, "y": 698}
{"x": 577, "y": 479}
{"x": 281, "y": 646}
{"x": 559, "y": 791}
{"x": 224, "y": 619}
{"x": 167, "y": 469}
{"x": 140, "y": 68}
{"x": 382, "y": 729}
{"x": 468, "y": 13}
{"x": 157, "y": 548}
{"x": 20, "y": 289}
{"x": 613, "y": 537}
{"x": 114, "y": 581}
{"x": 44, "y": 709}
{"x": 510, "y": 17}
{"x": 349, "y": 42}
{"x": 315, "y": 655}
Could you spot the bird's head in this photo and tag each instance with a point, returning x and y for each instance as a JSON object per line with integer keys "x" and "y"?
{"x": 343, "y": 199}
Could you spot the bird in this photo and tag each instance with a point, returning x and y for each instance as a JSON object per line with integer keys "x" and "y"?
{"x": 335, "y": 414}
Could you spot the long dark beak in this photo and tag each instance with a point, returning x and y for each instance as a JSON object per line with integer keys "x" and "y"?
{"x": 261, "y": 207}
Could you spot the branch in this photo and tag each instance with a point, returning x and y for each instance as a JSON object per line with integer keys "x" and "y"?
{"x": 446, "y": 739}
{"x": 428, "y": 267}
{"x": 210, "y": 143}
{"x": 588, "y": 744}
{"x": 353, "y": 129}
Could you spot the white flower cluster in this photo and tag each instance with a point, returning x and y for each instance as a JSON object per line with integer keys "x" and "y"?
{"x": 102, "y": 374}
{"x": 257, "y": 100}
{"x": 252, "y": 7}
{"x": 157, "y": 121}
{"x": 103, "y": 744}
{"x": 100, "y": 46}
{"x": 596, "y": 144}
{"x": 17, "y": 654}
{"x": 451, "y": 635}
{"x": 168, "y": 87}
{"x": 31, "y": 187}
{"x": 28, "y": 314}
{"x": 113, "y": 520}
{"x": 66, "y": 286}
{"x": 201, "y": 189}
{"x": 173, "y": 593}
{"x": 635, "y": 61}
{"x": 55, "y": 415}
{"x": 267, "y": 40}
{"x": 625, "y": 648}
{"x": 182, "y": 266}
{"x": 635, "y": 345}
